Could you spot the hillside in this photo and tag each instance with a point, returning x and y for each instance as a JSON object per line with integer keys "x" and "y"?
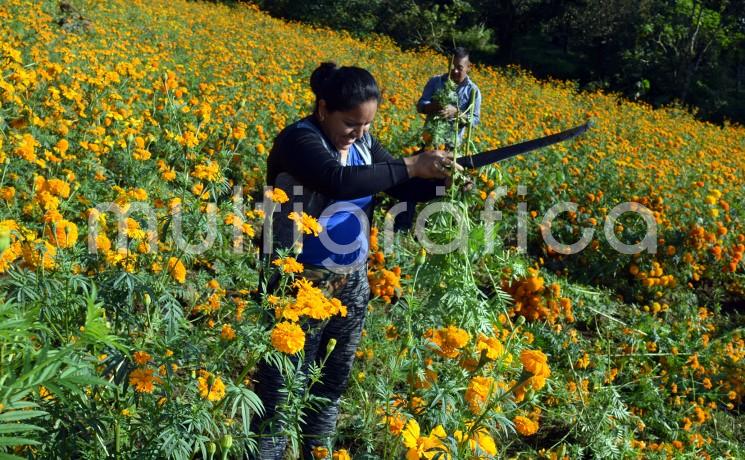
{"x": 145, "y": 347}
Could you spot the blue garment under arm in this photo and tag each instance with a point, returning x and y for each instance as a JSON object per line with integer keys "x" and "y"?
{"x": 429, "y": 90}
{"x": 476, "y": 106}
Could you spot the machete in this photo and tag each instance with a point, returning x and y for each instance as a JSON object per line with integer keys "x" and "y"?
{"x": 509, "y": 151}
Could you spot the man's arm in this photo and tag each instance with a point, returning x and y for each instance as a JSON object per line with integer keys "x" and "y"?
{"x": 425, "y": 104}
{"x": 476, "y": 106}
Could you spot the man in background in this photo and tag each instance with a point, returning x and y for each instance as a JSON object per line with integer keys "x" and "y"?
{"x": 428, "y": 105}
{"x": 465, "y": 89}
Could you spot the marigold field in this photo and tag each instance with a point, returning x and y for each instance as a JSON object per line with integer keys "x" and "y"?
{"x": 145, "y": 345}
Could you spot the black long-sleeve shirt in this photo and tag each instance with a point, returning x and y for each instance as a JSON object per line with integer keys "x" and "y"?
{"x": 313, "y": 161}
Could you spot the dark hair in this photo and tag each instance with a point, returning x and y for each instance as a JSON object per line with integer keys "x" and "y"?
{"x": 460, "y": 53}
{"x": 343, "y": 88}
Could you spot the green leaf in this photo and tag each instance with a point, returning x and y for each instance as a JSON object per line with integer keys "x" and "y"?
{"x": 17, "y": 415}
{"x": 15, "y": 441}
{"x": 6, "y": 428}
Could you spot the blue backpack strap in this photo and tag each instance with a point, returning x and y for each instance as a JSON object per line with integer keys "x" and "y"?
{"x": 364, "y": 148}
{"x": 363, "y": 145}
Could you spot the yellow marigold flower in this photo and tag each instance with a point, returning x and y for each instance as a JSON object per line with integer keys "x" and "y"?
{"x": 102, "y": 242}
{"x": 424, "y": 446}
{"x": 168, "y": 175}
{"x": 525, "y": 426}
{"x": 288, "y": 338}
{"x": 213, "y": 284}
{"x": 209, "y": 171}
{"x": 289, "y": 265}
{"x": 480, "y": 442}
{"x": 143, "y": 380}
{"x": 341, "y": 454}
{"x": 535, "y": 362}
{"x": 141, "y": 154}
{"x": 305, "y": 223}
{"x": 188, "y": 139}
{"x": 312, "y": 302}
{"x": 26, "y": 147}
{"x": 210, "y": 386}
{"x": 177, "y": 270}
{"x": 227, "y": 332}
{"x": 138, "y": 194}
{"x": 63, "y": 234}
{"x": 277, "y": 195}
{"x": 141, "y": 357}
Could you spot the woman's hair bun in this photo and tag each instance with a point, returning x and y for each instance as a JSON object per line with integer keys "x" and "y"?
{"x": 343, "y": 88}
{"x": 320, "y": 76}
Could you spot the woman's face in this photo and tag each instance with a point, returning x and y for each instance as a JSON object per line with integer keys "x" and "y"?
{"x": 343, "y": 128}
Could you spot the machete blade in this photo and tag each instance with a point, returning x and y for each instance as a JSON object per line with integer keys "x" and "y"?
{"x": 509, "y": 151}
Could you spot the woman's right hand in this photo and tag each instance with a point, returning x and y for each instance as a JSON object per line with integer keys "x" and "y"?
{"x": 431, "y": 164}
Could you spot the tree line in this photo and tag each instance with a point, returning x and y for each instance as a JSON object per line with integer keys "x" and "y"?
{"x": 687, "y": 52}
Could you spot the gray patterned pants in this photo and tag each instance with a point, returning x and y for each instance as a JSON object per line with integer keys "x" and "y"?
{"x": 319, "y": 425}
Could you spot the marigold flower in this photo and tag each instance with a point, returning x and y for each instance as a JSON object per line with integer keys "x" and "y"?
{"x": 493, "y": 347}
{"x": 320, "y": 452}
{"x": 227, "y": 332}
{"x": 449, "y": 340}
{"x": 63, "y": 234}
{"x": 424, "y": 446}
{"x": 277, "y": 195}
{"x": 209, "y": 171}
{"x": 177, "y": 270}
{"x": 141, "y": 357}
{"x": 535, "y": 362}
{"x": 525, "y": 426}
{"x": 396, "y": 423}
{"x": 143, "y": 380}
{"x": 7, "y": 193}
{"x": 480, "y": 442}
{"x": 341, "y": 454}
{"x": 210, "y": 386}
{"x": 478, "y": 392}
{"x": 305, "y": 223}
{"x": 289, "y": 265}
{"x": 288, "y": 338}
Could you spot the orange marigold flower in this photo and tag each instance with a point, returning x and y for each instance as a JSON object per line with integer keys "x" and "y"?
{"x": 525, "y": 426}
{"x": 478, "y": 392}
{"x": 210, "y": 386}
{"x": 288, "y": 338}
{"x": 63, "y": 234}
{"x": 177, "y": 270}
{"x": 535, "y": 362}
{"x": 341, "y": 454}
{"x": 320, "y": 452}
{"x": 141, "y": 357}
{"x": 143, "y": 380}
{"x": 227, "y": 332}
{"x": 493, "y": 347}
{"x": 7, "y": 193}
{"x": 449, "y": 340}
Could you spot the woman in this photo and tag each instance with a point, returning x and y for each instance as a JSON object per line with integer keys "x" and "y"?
{"x": 340, "y": 168}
